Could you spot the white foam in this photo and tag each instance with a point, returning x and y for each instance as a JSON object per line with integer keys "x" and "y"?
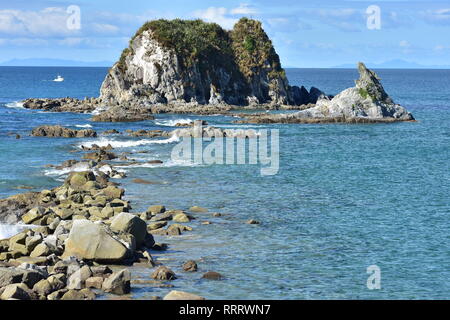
{"x": 166, "y": 164}
{"x": 7, "y": 230}
{"x": 79, "y": 167}
{"x": 104, "y": 142}
{"x": 15, "y": 105}
{"x": 173, "y": 123}
{"x": 83, "y": 126}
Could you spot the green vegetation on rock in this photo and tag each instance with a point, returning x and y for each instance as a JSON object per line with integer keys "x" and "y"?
{"x": 196, "y": 41}
{"x": 253, "y": 49}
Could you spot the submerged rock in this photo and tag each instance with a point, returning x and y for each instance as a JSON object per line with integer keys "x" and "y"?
{"x": 163, "y": 273}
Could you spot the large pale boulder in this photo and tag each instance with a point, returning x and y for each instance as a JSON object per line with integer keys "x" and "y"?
{"x": 128, "y": 223}
{"x": 94, "y": 241}
{"x": 180, "y": 295}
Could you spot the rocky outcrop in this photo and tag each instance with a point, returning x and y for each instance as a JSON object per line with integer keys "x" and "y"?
{"x": 63, "y": 104}
{"x": 178, "y": 62}
{"x": 124, "y": 113}
{"x": 367, "y": 102}
{"x": 59, "y": 131}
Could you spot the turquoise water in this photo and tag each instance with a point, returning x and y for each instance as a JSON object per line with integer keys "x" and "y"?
{"x": 346, "y": 196}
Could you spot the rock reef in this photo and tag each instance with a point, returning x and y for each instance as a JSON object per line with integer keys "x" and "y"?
{"x": 367, "y": 102}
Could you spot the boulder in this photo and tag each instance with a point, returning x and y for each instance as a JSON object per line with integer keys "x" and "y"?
{"x": 18, "y": 291}
{"x": 180, "y": 295}
{"x": 166, "y": 216}
{"x": 156, "y": 225}
{"x": 78, "y": 295}
{"x": 59, "y": 131}
{"x": 182, "y": 217}
{"x": 43, "y": 288}
{"x": 154, "y": 210}
{"x": 78, "y": 279}
{"x": 94, "y": 282}
{"x": 92, "y": 241}
{"x": 211, "y": 275}
{"x": 33, "y": 215}
{"x": 190, "y": 266}
{"x": 113, "y": 192}
{"x": 163, "y": 273}
{"x": 198, "y": 209}
{"x": 118, "y": 283}
{"x": 79, "y": 179}
{"x": 41, "y": 250}
{"x": 126, "y": 222}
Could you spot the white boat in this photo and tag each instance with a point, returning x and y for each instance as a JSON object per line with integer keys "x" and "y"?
{"x": 59, "y": 79}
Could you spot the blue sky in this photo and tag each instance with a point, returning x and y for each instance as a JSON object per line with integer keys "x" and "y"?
{"x": 305, "y": 33}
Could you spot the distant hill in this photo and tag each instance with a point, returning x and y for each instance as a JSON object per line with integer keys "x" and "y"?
{"x": 394, "y": 64}
{"x": 54, "y": 63}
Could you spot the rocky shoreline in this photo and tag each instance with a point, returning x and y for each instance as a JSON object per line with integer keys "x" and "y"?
{"x": 81, "y": 239}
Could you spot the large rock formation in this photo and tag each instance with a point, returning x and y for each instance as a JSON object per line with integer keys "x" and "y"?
{"x": 366, "y": 102}
{"x": 182, "y": 61}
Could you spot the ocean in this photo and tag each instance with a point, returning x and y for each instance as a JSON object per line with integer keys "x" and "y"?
{"x": 346, "y": 196}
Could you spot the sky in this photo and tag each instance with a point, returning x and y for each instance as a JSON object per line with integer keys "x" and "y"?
{"x": 305, "y": 33}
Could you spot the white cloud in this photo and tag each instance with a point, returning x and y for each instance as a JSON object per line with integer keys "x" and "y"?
{"x": 440, "y": 16}
{"x": 217, "y": 15}
{"x": 45, "y": 23}
{"x": 223, "y": 16}
{"x": 244, "y": 9}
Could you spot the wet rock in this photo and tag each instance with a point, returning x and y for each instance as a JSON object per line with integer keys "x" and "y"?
{"x": 182, "y": 217}
{"x": 211, "y": 275}
{"x": 74, "y": 295}
{"x": 118, "y": 283}
{"x": 190, "y": 266}
{"x": 160, "y": 246}
{"x": 62, "y": 104}
{"x": 156, "y": 225}
{"x": 198, "y": 209}
{"x": 124, "y": 113}
{"x": 154, "y": 210}
{"x": 253, "y": 221}
{"x": 59, "y": 131}
{"x": 166, "y": 216}
{"x": 163, "y": 273}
